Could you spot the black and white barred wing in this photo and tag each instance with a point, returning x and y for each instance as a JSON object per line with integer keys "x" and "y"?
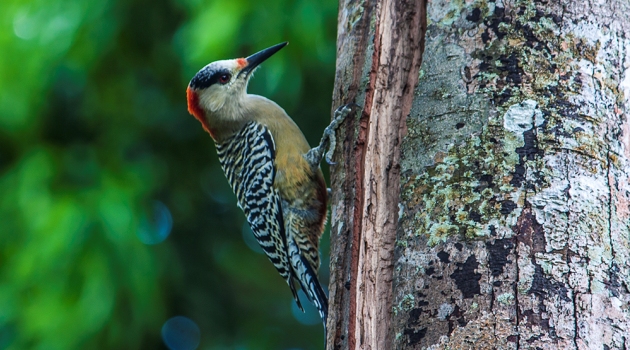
{"x": 247, "y": 159}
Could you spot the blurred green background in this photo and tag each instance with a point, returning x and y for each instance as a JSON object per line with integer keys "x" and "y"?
{"x": 114, "y": 213}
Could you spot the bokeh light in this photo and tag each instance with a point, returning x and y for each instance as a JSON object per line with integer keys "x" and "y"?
{"x": 181, "y": 333}
{"x": 157, "y": 227}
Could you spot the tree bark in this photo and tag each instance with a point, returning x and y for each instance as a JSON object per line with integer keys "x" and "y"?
{"x": 489, "y": 207}
{"x": 378, "y": 62}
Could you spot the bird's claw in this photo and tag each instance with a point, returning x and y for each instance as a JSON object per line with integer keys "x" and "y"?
{"x": 329, "y": 139}
{"x": 338, "y": 117}
{"x": 328, "y": 157}
{"x": 343, "y": 111}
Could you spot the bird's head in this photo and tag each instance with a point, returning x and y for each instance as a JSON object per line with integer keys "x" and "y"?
{"x": 217, "y": 90}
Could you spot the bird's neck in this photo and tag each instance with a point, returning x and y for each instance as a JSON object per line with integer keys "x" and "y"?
{"x": 229, "y": 119}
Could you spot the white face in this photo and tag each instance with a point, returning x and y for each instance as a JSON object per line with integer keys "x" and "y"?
{"x": 221, "y": 84}
{"x": 218, "y": 90}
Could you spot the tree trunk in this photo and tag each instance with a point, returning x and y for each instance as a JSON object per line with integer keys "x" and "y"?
{"x": 489, "y": 207}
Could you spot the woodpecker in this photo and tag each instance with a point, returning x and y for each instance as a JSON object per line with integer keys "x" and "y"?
{"x": 269, "y": 164}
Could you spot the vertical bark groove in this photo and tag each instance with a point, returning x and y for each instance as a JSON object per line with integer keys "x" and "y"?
{"x": 396, "y": 61}
{"x": 386, "y": 92}
{"x": 352, "y": 51}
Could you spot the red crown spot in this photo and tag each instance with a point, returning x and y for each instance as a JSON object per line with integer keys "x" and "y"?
{"x": 196, "y": 111}
{"x": 241, "y": 62}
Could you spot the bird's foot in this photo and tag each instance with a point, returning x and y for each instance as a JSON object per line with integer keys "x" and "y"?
{"x": 328, "y": 143}
{"x": 340, "y": 115}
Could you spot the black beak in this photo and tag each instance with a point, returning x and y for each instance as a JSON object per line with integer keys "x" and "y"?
{"x": 259, "y": 57}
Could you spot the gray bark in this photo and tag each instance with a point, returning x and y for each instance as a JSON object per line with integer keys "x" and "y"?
{"x": 512, "y": 222}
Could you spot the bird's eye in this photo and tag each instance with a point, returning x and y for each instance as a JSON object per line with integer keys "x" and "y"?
{"x": 224, "y": 78}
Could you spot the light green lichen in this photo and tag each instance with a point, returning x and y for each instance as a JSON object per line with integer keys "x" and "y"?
{"x": 407, "y": 303}
{"x": 453, "y": 196}
{"x": 506, "y": 298}
{"x": 456, "y": 198}
{"x": 445, "y": 13}
{"x": 473, "y": 307}
{"x": 401, "y": 243}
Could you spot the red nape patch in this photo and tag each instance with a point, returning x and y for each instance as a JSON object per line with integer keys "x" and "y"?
{"x": 242, "y": 63}
{"x": 195, "y": 109}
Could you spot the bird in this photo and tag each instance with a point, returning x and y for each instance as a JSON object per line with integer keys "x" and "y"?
{"x": 271, "y": 168}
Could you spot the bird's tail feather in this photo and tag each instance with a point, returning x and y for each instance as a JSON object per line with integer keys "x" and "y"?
{"x": 295, "y": 295}
{"x": 307, "y": 277}
{"x": 314, "y": 291}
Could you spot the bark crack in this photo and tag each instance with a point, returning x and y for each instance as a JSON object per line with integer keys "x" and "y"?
{"x": 494, "y": 324}
{"x": 576, "y": 151}
{"x": 352, "y": 49}
{"x": 610, "y": 210}
{"x": 516, "y": 303}
{"x": 392, "y": 78}
{"x": 516, "y": 294}
{"x": 575, "y": 293}
{"x": 575, "y": 322}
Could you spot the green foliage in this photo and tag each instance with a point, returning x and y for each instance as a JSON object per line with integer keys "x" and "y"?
{"x": 98, "y": 153}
